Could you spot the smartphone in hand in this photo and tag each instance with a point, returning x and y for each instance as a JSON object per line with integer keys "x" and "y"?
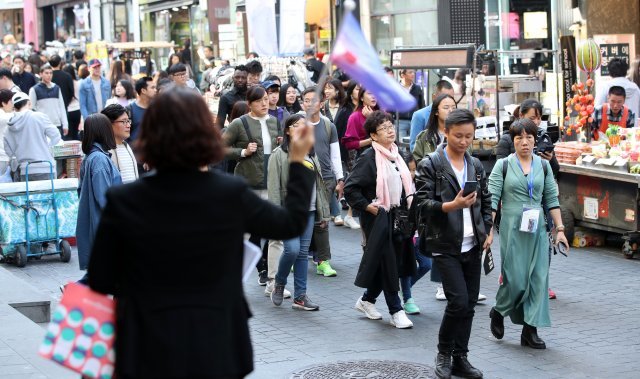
{"x": 469, "y": 188}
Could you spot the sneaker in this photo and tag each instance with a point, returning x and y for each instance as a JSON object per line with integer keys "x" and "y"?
{"x": 303, "y": 303}
{"x": 481, "y": 297}
{"x": 369, "y": 309}
{"x": 338, "y": 221}
{"x": 552, "y": 295}
{"x": 324, "y": 268}
{"x": 269, "y": 288}
{"x": 440, "y": 294}
{"x": 277, "y": 295}
{"x": 262, "y": 278}
{"x": 400, "y": 320}
{"x": 411, "y": 308}
{"x": 344, "y": 204}
{"x": 351, "y": 222}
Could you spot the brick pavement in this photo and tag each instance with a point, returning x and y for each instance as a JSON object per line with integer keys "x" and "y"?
{"x": 595, "y": 332}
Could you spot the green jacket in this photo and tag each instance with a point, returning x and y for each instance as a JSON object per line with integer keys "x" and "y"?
{"x": 252, "y": 167}
{"x": 278, "y": 178}
{"x": 423, "y": 147}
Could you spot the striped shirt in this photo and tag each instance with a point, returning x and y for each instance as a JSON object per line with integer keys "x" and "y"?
{"x": 125, "y": 162}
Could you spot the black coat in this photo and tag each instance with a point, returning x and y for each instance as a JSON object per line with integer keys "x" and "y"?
{"x": 65, "y": 82}
{"x": 383, "y": 250}
{"x": 169, "y": 247}
{"x": 443, "y": 231}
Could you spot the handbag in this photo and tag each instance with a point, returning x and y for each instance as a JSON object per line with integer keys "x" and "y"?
{"x": 81, "y": 333}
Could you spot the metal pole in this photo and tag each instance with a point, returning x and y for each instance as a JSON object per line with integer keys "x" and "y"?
{"x": 496, "y": 61}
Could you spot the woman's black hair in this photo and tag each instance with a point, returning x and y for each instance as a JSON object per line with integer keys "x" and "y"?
{"x": 407, "y": 157}
{"x": 129, "y": 91}
{"x": 525, "y": 106}
{"x": 180, "y": 60}
{"x": 97, "y": 128}
{"x": 255, "y": 93}
{"x": 5, "y": 96}
{"x": 282, "y": 101}
{"x": 287, "y": 124}
{"x": 69, "y": 69}
{"x": 240, "y": 108}
{"x": 113, "y": 111}
{"x": 361, "y": 99}
{"x": 375, "y": 119}
{"x": 349, "y": 91}
{"x": 432, "y": 122}
{"x": 523, "y": 125}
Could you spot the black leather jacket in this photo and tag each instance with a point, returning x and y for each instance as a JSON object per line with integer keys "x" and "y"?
{"x": 443, "y": 231}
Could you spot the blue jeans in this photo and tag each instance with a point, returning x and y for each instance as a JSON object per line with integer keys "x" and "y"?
{"x": 406, "y": 282}
{"x": 334, "y": 205}
{"x": 295, "y": 254}
{"x": 404, "y": 127}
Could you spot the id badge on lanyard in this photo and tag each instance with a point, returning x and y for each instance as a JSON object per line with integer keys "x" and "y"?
{"x": 530, "y": 213}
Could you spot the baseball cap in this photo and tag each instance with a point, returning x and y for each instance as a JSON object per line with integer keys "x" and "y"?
{"x": 18, "y": 97}
{"x": 4, "y": 54}
{"x": 269, "y": 83}
{"x": 94, "y": 62}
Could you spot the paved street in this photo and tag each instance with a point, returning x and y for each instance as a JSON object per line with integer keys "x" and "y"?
{"x": 595, "y": 333}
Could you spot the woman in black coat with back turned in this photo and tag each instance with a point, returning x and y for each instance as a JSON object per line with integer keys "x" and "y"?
{"x": 169, "y": 247}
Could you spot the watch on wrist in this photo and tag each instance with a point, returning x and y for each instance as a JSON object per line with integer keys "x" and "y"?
{"x": 560, "y": 228}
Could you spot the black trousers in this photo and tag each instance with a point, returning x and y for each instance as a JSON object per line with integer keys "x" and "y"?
{"x": 461, "y": 284}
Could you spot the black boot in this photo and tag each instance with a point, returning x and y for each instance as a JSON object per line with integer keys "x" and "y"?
{"x": 497, "y": 323}
{"x": 530, "y": 338}
{"x": 462, "y": 368}
{"x": 443, "y": 366}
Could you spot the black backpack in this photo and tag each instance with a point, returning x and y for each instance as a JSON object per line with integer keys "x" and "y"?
{"x": 505, "y": 166}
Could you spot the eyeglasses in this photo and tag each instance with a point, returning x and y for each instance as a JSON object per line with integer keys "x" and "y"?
{"x": 386, "y": 128}
{"x": 127, "y": 121}
{"x": 310, "y": 101}
{"x": 180, "y": 74}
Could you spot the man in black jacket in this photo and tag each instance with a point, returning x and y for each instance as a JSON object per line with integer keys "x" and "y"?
{"x": 313, "y": 64}
{"x": 24, "y": 80}
{"x": 458, "y": 229}
{"x": 237, "y": 93}
{"x": 62, "y": 79}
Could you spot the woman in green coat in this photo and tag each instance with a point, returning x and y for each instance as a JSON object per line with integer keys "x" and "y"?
{"x": 524, "y": 245}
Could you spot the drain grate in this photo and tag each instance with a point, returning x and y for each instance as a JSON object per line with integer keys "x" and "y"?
{"x": 365, "y": 369}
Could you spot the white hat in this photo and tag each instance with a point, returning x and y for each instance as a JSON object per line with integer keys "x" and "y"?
{"x": 4, "y": 54}
{"x": 18, "y": 97}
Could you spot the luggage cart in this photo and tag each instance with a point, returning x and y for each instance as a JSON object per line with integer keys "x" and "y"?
{"x": 41, "y": 213}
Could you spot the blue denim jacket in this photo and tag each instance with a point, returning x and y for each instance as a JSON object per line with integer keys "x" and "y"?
{"x": 97, "y": 174}
{"x": 87, "y": 96}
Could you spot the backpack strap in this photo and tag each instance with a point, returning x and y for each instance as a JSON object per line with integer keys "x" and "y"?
{"x": 437, "y": 164}
{"x": 279, "y": 126}
{"x": 245, "y": 123}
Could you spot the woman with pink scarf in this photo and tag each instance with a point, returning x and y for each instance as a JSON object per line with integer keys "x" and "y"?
{"x": 379, "y": 185}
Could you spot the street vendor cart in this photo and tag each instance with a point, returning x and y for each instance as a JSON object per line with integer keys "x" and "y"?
{"x": 603, "y": 196}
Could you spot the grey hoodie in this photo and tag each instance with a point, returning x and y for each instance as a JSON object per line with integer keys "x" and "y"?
{"x": 28, "y": 138}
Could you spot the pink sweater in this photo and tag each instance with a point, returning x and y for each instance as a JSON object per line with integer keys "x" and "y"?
{"x": 355, "y": 131}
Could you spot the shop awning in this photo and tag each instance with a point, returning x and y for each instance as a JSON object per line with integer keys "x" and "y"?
{"x": 139, "y": 45}
{"x": 168, "y": 4}
{"x": 11, "y": 4}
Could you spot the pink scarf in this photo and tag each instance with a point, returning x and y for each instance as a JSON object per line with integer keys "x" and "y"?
{"x": 382, "y": 188}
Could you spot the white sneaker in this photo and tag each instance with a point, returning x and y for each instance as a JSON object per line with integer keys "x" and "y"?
{"x": 481, "y": 297}
{"x": 269, "y": 288}
{"x": 351, "y": 222}
{"x": 400, "y": 320}
{"x": 369, "y": 309}
{"x": 440, "y": 294}
{"x": 338, "y": 220}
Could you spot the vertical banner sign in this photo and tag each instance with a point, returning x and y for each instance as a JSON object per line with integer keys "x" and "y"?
{"x": 292, "y": 14}
{"x": 261, "y": 22}
{"x": 568, "y": 61}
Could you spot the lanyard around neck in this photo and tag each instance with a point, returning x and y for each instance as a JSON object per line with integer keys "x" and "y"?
{"x": 529, "y": 178}
{"x": 464, "y": 170}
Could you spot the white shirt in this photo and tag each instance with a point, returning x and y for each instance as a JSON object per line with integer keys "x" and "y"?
{"x": 125, "y": 162}
{"x": 266, "y": 136}
{"x": 98, "y": 91}
{"x": 394, "y": 182}
{"x": 468, "y": 238}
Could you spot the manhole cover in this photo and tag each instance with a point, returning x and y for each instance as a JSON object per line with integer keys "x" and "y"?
{"x": 367, "y": 369}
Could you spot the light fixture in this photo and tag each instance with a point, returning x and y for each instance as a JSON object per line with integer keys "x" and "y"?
{"x": 184, "y": 7}
{"x": 175, "y": 9}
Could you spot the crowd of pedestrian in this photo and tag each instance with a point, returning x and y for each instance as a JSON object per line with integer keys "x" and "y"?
{"x": 300, "y": 158}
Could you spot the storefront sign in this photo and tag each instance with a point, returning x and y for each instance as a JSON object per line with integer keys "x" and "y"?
{"x": 568, "y": 62}
{"x": 611, "y": 51}
{"x": 292, "y": 31}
